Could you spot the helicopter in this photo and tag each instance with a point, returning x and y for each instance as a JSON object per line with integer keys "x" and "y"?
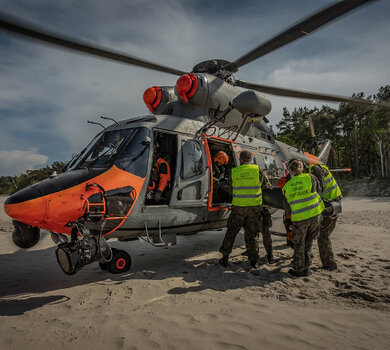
{"x": 104, "y": 194}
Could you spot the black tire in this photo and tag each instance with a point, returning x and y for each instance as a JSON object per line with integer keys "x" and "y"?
{"x": 120, "y": 262}
{"x": 103, "y": 266}
{"x": 25, "y": 236}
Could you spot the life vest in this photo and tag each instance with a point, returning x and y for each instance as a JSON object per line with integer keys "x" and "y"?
{"x": 332, "y": 190}
{"x": 164, "y": 173}
{"x": 246, "y": 186}
{"x": 304, "y": 203}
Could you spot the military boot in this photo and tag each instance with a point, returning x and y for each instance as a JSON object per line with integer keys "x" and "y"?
{"x": 330, "y": 267}
{"x": 224, "y": 260}
{"x": 270, "y": 257}
{"x": 295, "y": 273}
{"x": 245, "y": 253}
{"x": 254, "y": 264}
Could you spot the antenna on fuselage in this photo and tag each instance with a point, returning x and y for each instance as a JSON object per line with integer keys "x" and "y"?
{"x": 108, "y": 118}
{"x": 96, "y": 123}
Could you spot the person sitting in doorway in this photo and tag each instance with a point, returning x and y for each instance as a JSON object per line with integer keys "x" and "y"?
{"x": 220, "y": 178}
{"x": 160, "y": 177}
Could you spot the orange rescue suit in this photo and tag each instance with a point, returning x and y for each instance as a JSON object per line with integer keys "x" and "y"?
{"x": 164, "y": 173}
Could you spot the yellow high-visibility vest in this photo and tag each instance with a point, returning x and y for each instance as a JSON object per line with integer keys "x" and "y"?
{"x": 332, "y": 190}
{"x": 246, "y": 186}
{"x": 304, "y": 203}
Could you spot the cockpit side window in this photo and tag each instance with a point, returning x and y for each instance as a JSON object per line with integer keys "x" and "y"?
{"x": 101, "y": 153}
{"x": 134, "y": 156}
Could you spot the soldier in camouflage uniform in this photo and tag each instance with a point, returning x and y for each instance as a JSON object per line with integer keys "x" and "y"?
{"x": 266, "y": 224}
{"x": 305, "y": 206}
{"x": 250, "y": 219}
{"x": 328, "y": 223}
{"x": 246, "y": 209}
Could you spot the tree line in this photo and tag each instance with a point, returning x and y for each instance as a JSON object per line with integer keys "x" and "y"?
{"x": 360, "y": 135}
{"x": 12, "y": 184}
{"x": 360, "y": 138}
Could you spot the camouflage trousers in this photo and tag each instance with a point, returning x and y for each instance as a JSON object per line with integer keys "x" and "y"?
{"x": 266, "y": 223}
{"x": 303, "y": 235}
{"x": 324, "y": 244}
{"x": 250, "y": 219}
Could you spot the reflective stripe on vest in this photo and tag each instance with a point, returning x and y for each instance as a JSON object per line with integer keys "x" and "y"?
{"x": 246, "y": 186}
{"x": 332, "y": 190}
{"x": 304, "y": 203}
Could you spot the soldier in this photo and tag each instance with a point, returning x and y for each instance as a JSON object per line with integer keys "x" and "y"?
{"x": 331, "y": 193}
{"x": 266, "y": 224}
{"x": 246, "y": 209}
{"x": 266, "y": 221}
{"x": 305, "y": 206}
{"x": 286, "y": 217}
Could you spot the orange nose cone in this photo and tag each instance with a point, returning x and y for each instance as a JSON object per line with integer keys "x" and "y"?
{"x": 31, "y": 212}
{"x": 152, "y": 97}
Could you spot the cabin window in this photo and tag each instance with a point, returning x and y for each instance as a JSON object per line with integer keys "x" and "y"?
{"x": 192, "y": 160}
{"x": 190, "y": 192}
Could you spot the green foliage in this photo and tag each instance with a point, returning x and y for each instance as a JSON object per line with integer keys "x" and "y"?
{"x": 360, "y": 135}
{"x": 11, "y": 184}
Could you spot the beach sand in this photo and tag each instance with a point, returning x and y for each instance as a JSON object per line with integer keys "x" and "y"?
{"x": 180, "y": 298}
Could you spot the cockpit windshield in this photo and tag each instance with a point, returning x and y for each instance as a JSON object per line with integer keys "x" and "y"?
{"x": 127, "y": 148}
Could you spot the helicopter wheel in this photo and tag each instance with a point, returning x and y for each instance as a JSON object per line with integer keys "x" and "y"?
{"x": 120, "y": 262}
{"x": 103, "y": 266}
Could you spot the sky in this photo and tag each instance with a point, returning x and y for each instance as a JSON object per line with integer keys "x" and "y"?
{"x": 47, "y": 95}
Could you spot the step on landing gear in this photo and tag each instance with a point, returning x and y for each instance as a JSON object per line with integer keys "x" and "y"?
{"x": 120, "y": 262}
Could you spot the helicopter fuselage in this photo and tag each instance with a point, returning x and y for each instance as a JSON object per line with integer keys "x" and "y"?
{"x": 107, "y": 187}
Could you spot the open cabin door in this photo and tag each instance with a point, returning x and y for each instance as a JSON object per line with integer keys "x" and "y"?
{"x": 190, "y": 186}
{"x": 219, "y": 192}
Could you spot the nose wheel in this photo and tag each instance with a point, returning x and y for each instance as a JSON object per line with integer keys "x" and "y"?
{"x": 120, "y": 262}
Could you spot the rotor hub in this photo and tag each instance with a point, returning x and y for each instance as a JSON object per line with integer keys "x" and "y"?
{"x": 214, "y": 67}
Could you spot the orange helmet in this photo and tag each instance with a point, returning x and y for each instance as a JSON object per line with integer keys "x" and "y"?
{"x": 221, "y": 157}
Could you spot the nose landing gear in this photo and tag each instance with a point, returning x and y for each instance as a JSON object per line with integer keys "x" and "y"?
{"x": 120, "y": 262}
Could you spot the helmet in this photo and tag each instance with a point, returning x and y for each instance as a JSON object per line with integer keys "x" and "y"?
{"x": 221, "y": 157}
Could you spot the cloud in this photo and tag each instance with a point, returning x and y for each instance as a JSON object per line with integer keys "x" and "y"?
{"x": 18, "y": 161}
{"x": 47, "y": 95}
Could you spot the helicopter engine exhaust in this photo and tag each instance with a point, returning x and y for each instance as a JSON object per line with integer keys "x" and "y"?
{"x": 186, "y": 86}
{"x": 73, "y": 256}
{"x": 25, "y": 236}
{"x": 159, "y": 99}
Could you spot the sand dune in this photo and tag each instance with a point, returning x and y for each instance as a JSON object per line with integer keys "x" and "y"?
{"x": 179, "y": 298}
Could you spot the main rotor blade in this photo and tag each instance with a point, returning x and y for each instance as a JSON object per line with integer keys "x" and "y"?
{"x": 273, "y": 90}
{"x": 295, "y": 32}
{"x": 30, "y": 31}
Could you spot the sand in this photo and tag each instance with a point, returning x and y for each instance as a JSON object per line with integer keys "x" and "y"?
{"x": 179, "y": 298}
